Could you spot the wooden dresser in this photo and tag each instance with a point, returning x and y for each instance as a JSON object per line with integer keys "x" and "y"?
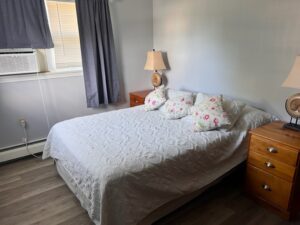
{"x": 273, "y": 176}
{"x": 138, "y": 97}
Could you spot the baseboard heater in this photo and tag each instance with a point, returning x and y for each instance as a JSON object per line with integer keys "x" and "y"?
{"x": 20, "y": 151}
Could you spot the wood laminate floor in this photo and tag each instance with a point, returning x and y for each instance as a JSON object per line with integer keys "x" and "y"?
{"x": 31, "y": 192}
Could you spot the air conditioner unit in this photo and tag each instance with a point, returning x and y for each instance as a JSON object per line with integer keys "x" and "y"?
{"x": 18, "y": 61}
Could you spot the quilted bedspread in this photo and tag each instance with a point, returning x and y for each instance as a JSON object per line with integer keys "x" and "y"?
{"x": 129, "y": 162}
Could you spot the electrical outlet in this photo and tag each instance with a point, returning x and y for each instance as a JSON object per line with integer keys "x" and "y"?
{"x": 22, "y": 123}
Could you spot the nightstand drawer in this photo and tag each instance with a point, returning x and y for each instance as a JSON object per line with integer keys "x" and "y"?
{"x": 272, "y": 166}
{"x": 268, "y": 187}
{"x": 138, "y": 97}
{"x": 136, "y": 100}
{"x": 274, "y": 150}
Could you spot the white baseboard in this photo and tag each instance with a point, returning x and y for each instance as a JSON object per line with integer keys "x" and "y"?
{"x": 19, "y": 152}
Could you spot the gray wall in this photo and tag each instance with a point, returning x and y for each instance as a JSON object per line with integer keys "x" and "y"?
{"x": 133, "y": 28}
{"x": 241, "y": 48}
{"x": 65, "y": 97}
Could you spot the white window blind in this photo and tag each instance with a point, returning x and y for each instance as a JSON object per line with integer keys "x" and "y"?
{"x": 65, "y": 35}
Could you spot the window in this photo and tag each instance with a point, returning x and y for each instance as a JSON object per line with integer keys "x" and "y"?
{"x": 65, "y": 35}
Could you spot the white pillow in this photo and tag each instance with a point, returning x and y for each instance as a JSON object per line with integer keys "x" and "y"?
{"x": 209, "y": 115}
{"x": 234, "y": 109}
{"x": 172, "y": 94}
{"x": 175, "y": 109}
{"x": 155, "y": 98}
{"x": 251, "y": 118}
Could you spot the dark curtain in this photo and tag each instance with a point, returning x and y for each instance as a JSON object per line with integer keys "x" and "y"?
{"x": 98, "y": 52}
{"x": 24, "y": 24}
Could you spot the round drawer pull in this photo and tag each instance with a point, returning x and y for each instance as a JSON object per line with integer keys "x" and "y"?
{"x": 269, "y": 165}
{"x": 266, "y": 187}
{"x": 272, "y": 150}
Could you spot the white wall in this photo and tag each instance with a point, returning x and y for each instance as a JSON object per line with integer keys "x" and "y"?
{"x": 133, "y": 27}
{"x": 241, "y": 48}
{"x": 65, "y": 96}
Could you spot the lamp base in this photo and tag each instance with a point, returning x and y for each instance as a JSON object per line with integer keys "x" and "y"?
{"x": 156, "y": 79}
{"x": 292, "y": 126}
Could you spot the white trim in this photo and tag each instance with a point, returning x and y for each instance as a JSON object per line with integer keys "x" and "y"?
{"x": 50, "y": 59}
{"x": 19, "y": 152}
{"x": 74, "y": 72}
{"x": 67, "y": 70}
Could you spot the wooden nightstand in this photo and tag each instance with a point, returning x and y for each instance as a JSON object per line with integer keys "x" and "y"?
{"x": 138, "y": 97}
{"x": 273, "y": 176}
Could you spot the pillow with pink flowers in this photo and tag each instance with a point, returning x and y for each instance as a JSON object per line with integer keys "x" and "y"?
{"x": 178, "y": 106}
{"x": 209, "y": 115}
{"x": 173, "y": 94}
{"x": 175, "y": 109}
{"x": 182, "y": 99}
{"x": 202, "y": 98}
{"x": 155, "y": 99}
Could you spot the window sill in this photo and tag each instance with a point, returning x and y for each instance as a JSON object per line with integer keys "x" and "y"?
{"x": 61, "y": 73}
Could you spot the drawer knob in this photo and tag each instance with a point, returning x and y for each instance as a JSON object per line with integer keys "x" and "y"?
{"x": 269, "y": 165}
{"x": 266, "y": 187}
{"x": 272, "y": 150}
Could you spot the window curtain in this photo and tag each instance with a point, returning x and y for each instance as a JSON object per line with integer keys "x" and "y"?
{"x": 24, "y": 24}
{"x": 98, "y": 52}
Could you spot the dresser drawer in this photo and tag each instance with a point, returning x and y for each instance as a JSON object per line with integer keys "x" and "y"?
{"x": 268, "y": 187}
{"x": 274, "y": 150}
{"x": 272, "y": 166}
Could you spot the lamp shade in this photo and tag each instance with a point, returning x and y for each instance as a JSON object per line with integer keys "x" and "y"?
{"x": 155, "y": 61}
{"x": 293, "y": 80}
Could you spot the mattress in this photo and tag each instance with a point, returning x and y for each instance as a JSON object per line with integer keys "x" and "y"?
{"x": 127, "y": 163}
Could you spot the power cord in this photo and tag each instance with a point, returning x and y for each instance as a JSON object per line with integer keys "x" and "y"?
{"x": 25, "y": 139}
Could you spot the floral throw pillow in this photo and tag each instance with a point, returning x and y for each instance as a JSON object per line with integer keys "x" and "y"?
{"x": 209, "y": 115}
{"x": 174, "y": 109}
{"x": 202, "y": 98}
{"x": 173, "y": 94}
{"x": 185, "y": 99}
{"x": 155, "y": 99}
{"x": 180, "y": 97}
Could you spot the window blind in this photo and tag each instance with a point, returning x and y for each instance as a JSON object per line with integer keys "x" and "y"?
{"x": 64, "y": 30}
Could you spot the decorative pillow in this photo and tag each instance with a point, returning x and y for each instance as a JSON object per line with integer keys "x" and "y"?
{"x": 155, "y": 98}
{"x": 174, "y": 109}
{"x": 201, "y": 97}
{"x": 185, "y": 99}
{"x": 173, "y": 94}
{"x": 251, "y": 118}
{"x": 178, "y": 96}
{"x": 209, "y": 115}
{"x": 234, "y": 109}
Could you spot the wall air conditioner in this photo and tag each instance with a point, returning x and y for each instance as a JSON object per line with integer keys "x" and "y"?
{"x": 18, "y": 61}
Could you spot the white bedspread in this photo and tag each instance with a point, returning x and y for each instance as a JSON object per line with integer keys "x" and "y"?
{"x": 129, "y": 162}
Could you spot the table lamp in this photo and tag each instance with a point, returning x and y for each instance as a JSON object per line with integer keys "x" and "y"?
{"x": 292, "y": 104}
{"x": 154, "y": 63}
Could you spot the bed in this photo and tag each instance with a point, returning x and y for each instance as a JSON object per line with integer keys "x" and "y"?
{"x": 124, "y": 165}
